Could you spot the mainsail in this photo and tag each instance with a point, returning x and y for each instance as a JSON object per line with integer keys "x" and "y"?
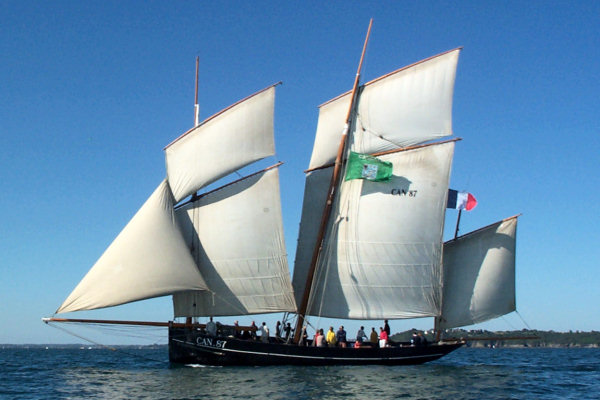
{"x": 382, "y": 252}
{"x": 479, "y": 275}
{"x": 236, "y": 237}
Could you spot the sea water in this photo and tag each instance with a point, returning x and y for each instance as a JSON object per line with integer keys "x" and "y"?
{"x": 468, "y": 373}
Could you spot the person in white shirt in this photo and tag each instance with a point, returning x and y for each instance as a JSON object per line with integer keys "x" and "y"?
{"x": 264, "y": 333}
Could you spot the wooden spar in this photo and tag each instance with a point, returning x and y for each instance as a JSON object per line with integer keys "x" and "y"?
{"x": 196, "y": 197}
{"x": 196, "y": 105}
{"x": 108, "y": 322}
{"x": 383, "y": 153}
{"x": 484, "y": 227}
{"x": 330, "y": 197}
{"x": 137, "y": 323}
{"x": 457, "y": 223}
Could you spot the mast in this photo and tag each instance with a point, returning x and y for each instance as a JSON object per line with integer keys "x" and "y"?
{"x": 331, "y": 196}
{"x": 196, "y": 105}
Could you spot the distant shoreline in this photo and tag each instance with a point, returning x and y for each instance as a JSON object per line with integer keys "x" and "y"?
{"x": 525, "y": 338}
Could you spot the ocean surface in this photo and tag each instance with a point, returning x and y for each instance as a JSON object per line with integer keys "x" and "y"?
{"x": 468, "y": 373}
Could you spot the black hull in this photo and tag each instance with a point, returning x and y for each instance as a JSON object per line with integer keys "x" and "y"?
{"x": 192, "y": 347}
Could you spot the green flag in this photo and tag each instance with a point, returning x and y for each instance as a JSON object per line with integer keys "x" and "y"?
{"x": 364, "y": 166}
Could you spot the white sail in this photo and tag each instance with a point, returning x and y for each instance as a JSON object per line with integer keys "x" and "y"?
{"x": 232, "y": 139}
{"x": 479, "y": 275}
{"x": 409, "y": 106}
{"x": 382, "y": 253}
{"x": 149, "y": 258}
{"x": 315, "y": 195}
{"x": 236, "y": 234}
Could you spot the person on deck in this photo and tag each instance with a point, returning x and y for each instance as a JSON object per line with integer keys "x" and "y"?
{"x": 264, "y": 333}
{"x": 319, "y": 339}
{"x": 211, "y": 327}
{"x": 374, "y": 337}
{"x": 288, "y": 331}
{"x": 331, "y": 340}
{"x": 415, "y": 339}
{"x": 340, "y": 336}
{"x": 303, "y": 337}
{"x": 360, "y": 335}
{"x": 236, "y": 330}
{"x": 386, "y": 328}
{"x": 383, "y": 338}
{"x": 253, "y": 330}
{"x": 278, "y": 330}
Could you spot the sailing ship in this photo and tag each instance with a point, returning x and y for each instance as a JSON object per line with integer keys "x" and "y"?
{"x": 368, "y": 248}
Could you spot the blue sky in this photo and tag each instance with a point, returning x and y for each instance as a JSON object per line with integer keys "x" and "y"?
{"x": 92, "y": 92}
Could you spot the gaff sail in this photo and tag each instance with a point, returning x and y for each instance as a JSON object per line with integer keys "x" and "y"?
{"x": 236, "y": 237}
{"x": 382, "y": 252}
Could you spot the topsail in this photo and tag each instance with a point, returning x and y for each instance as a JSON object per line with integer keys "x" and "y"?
{"x": 232, "y": 139}
{"x": 408, "y": 106}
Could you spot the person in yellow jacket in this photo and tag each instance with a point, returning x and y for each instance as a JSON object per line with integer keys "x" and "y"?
{"x": 374, "y": 339}
{"x": 331, "y": 341}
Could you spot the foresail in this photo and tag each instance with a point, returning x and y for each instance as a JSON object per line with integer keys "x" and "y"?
{"x": 479, "y": 275}
{"x": 409, "y": 106}
{"x": 236, "y": 235}
{"x": 232, "y": 139}
{"x": 382, "y": 253}
{"x": 148, "y": 259}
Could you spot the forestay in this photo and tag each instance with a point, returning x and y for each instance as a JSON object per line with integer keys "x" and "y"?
{"x": 382, "y": 252}
{"x": 409, "y": 106}
{"x": 232, "y": 139}
{"x": 149, "y": 258}
{"x": 236, "y": 236}
{"x": 479, "y": 275}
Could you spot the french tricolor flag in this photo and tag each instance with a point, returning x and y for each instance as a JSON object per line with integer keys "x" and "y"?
{"x": 461, "y": 200}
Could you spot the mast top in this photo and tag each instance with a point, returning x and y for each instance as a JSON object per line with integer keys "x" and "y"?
{"x": 196, "y": 105}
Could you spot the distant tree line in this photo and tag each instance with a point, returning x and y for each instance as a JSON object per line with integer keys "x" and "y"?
{"x": 522, "y": 338}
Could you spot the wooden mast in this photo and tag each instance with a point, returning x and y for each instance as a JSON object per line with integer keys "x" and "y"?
{"x": 196, "y": 105}
{"x": 330, "y": 197}
{"x": 188, "y": 320}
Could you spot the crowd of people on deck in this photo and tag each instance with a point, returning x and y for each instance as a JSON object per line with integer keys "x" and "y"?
{"x": 283, "y": 334}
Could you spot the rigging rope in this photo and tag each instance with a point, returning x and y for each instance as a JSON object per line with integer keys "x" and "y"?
{"x": 525, "y": 322}
{"x": 69, "y": 332}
